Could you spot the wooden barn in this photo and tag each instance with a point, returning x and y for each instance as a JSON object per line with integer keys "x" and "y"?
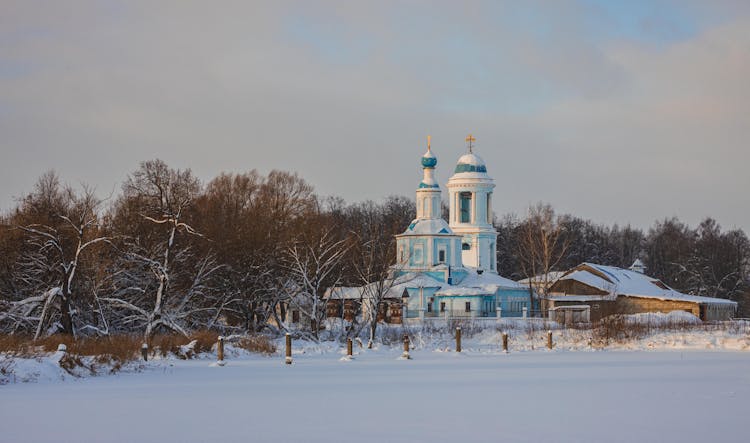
{"x": 591, "y": 291}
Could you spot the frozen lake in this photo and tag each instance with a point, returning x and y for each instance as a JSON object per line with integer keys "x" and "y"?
{"x": 524, "y": 396}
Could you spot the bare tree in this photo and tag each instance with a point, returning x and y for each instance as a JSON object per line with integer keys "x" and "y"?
{"x": 159, "y": 246}
{"x": 541, "y": 245}
{"x": 64, "y": 226}
{"x": 314, "y": 265}
{"x": 373, "y": 257}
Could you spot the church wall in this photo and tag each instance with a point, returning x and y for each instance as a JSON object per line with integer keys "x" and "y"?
{"x": 512, "y": 301}
{"x": 419, "y": 298}
{"x": 456, "y": 306}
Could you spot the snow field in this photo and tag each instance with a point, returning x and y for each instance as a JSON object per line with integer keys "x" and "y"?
{"x": 437, "y": 396}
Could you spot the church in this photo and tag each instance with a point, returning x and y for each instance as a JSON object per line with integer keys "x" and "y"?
{"x": 449, "y": 269}
{"x": 444, "y": 269}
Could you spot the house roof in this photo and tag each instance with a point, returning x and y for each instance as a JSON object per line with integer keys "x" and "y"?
{"x": 617, "y": 281}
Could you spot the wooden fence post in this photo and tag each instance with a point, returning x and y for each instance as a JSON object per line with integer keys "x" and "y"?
{"x": 549, "y": 339}
{"x": 406, "y": 348}
{"x": 144, "y": 351}
{"x": 220, "y": 351}
{"x": 505, "y": 342}
{"x": 288, "y": 359}
{"x": 348, "y": 347}
{"x": 458, "y": 339}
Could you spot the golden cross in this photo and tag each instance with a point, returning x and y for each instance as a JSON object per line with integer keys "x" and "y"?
{"x": 429, "y": 137}
{"x": 470, "y": 140}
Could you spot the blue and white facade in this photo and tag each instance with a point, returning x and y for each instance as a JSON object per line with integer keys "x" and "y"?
{"x": 450, "y": 268}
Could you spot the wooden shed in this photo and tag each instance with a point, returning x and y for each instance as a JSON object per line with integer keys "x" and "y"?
{"x": 610, "y": 290}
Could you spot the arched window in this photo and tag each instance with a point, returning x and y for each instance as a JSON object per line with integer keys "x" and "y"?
{"x": 465, "y": 207}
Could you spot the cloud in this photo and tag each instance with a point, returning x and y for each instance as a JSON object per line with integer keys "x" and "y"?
{"x": 598, "y": 111}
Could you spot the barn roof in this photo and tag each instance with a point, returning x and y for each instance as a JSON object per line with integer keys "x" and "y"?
{"x": 617, "y": 281}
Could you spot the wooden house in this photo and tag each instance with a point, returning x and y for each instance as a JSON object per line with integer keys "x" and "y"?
{"x": 595, "y": 291}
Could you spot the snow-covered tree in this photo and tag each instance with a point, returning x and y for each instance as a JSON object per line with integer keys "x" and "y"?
{"x": 161, "y": 280}
{"x": 60, "y": 226}
{"x": 314, "y": 264}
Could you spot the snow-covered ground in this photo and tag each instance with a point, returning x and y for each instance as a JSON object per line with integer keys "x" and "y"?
{"x": 479, "y": 395}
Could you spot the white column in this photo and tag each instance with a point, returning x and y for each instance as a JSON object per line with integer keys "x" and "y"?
{"x": 489, "y": 208}
{"x": 421, "y": 303}
{"x": 473, "y": 208}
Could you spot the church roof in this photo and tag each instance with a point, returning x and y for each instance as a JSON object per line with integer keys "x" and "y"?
{"x": 470, "y": 163}
{"x": 429, "y": 160}
{"x": 430, "y": 226}
{"x": 470, "y": 166}
{"x": 474, "y": 283}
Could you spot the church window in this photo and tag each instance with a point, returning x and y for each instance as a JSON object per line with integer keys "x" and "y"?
{"x": 401, "y": 254}
{"x": 441, "y": 256}
{"x": 429, "y": 305}
{"x": 465, "y": 247}
{"x": 442, "y": 306}
{"x": 465, "y": 207}
{"x": 295, "y": 316}
{"x": 467, "y": 308}
{"x": 418, "y": 254}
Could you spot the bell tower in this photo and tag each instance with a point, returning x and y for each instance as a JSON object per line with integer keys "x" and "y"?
{"x": 470, "y": 196}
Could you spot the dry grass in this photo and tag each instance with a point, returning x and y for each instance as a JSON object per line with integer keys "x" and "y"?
{"x": 623, "y": 329}
{"x": 114, "y": 351}
{"x": 257, "y": 343}
{"x": 166, "y": 344}
{"x": 119, "y": 349}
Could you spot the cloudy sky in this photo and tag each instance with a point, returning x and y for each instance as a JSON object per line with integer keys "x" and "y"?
{"x": 616, "y": 111}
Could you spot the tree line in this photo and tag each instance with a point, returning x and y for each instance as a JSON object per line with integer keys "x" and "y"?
{"x": 171, "y": 254}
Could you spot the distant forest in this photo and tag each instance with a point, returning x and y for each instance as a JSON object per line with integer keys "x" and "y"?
{"x": 171, "y": 254}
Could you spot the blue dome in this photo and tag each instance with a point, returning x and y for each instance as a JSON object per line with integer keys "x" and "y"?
{"x": 429, "y": 162}
{"x": 470, "y": 163}
{"x": 463, "y": 167}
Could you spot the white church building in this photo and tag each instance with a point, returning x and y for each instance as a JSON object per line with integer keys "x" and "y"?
{"x": 449, "y": 269}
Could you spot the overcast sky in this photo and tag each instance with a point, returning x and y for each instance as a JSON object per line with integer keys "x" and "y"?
{"x": 622, "y": 111}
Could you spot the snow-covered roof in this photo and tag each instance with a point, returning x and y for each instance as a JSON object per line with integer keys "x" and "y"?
{"x": 470, "y": 166}
{"x": 473, "y": 284}
{"x": 488, "y": 279}
{"x": 551, "y": 277}
{"x": 478, "y": 284}
{"x": 471, "y": 159}
{"x": 394, "y": 288}
{"x": 428, "y": 226}
{"x": 617, "y": 281}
